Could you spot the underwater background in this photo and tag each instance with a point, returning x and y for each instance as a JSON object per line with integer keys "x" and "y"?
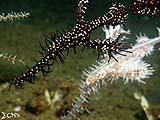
{"x": 21, "y": 37}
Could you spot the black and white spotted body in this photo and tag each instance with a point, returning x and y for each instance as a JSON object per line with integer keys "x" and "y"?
{"x": 79, "y": 35}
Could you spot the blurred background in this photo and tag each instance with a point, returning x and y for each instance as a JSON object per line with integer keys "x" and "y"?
{"x": 21, "y": 38}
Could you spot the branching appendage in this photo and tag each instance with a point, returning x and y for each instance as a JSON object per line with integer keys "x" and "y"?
{"x": 117, "y": 14}
{"x": 145, "y": 7}
{"x": 79, "y": 35}
{"x": 13, "y": 16}
{"x": 81, "y": 11}
{"x": 130, "y": 68}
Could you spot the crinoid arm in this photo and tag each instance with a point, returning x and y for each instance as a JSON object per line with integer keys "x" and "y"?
{"x": 145, "y": 7}
{"x": 81, "y": 11}
{"x": 29, "y": 75}
{"x": 117, "y": 14}
{"x": 79, "y": 35}
{"x": 109, "y": 46}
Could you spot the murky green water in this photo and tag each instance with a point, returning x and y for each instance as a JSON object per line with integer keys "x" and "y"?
{"x": 114, "y": 102}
